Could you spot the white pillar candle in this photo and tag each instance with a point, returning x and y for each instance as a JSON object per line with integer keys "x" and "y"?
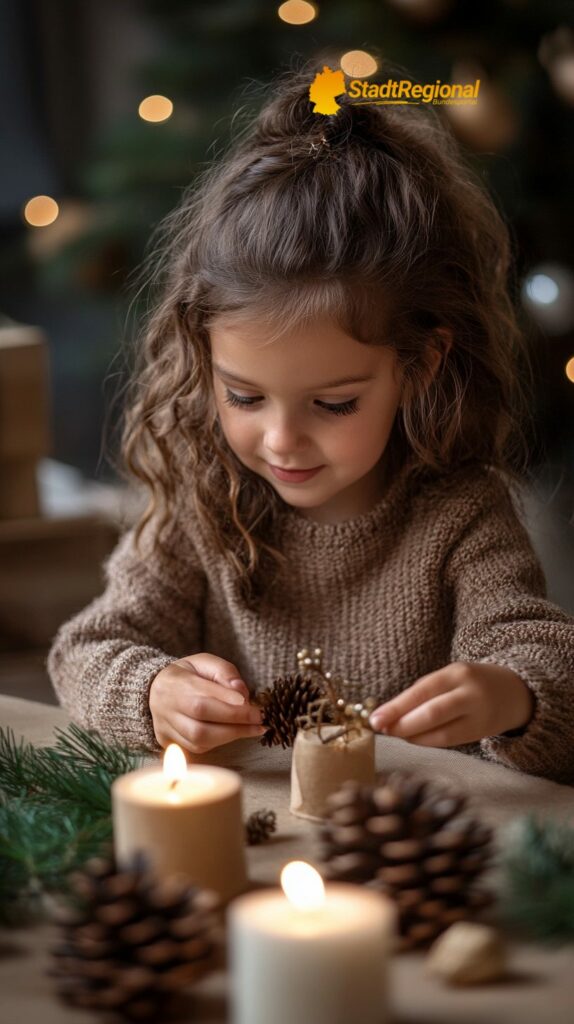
{"x": 310, "y": 954}
{"x": 186, "y": 819}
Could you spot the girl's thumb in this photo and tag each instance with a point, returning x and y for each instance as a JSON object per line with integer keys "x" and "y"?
{"x": 240, "y": 686}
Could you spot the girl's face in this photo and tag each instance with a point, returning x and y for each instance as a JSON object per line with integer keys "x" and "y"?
{"x": 292, "y": 405}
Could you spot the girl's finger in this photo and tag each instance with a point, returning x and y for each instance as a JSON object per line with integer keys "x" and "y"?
{"x": 453, "y": 734}
{"x": 175, "y": 736}
{"x": 420, "y": 692}
{"x": 203, "y": 736}
{"x": 205, "y": 686}
{"x": 218, "y": 670}
{"x": 204, "y": 708}
{"x": 430, "y": 715}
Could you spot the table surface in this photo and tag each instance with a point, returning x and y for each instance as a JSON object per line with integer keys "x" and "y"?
{"x": 540, "y": 981}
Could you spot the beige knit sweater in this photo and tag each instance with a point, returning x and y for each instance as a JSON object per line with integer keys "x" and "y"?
{"x": 434, "y": 573}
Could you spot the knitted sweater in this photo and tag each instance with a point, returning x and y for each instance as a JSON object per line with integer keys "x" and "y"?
{"x": 433, "y": 573}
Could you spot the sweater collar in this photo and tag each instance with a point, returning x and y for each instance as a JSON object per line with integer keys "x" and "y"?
{"x": 292, "y": 523}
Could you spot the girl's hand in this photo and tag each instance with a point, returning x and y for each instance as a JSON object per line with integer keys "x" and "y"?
{"x": 201, "y": 702}
{"x": 460, "y": 703}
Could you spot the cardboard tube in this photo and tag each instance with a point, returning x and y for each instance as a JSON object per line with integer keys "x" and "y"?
{"x": 318, "y": 768}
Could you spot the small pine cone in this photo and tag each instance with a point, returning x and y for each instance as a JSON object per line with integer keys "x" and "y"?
{"x": 283, "y": 703}
{"x": 129, "y": 940}
{"x": 259, "y": 827}
{"x": 404, "y": 837}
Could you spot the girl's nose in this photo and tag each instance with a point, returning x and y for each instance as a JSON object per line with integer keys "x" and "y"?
{"x": 283, "y": 436}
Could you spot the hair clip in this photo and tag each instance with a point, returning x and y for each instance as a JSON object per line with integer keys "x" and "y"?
{"x": 315, "y": 147}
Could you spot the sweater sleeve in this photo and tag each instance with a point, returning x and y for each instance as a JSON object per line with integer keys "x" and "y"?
{"x": 102, "y": 661}
{"x": 502, "y": 617}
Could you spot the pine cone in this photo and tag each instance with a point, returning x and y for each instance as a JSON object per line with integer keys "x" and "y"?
{"x": 130, "y": 940}
{"x": 403, "y": 838}
{"x": 260, "y": 825}
{"x": 283, "y": 703}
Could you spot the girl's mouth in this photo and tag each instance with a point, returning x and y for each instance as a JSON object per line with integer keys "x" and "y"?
{"x": 293, "y": 476}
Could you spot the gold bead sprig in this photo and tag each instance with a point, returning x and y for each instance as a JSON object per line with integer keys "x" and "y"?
{"x": 351, "y": 717}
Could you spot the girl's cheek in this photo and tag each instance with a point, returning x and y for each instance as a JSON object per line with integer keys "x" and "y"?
{"x": 238, "y": 431}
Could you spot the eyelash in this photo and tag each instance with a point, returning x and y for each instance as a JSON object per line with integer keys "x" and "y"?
{"x": 341, "y": 409}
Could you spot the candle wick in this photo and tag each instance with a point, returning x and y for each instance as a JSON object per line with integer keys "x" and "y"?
{"x": 173, "y": 784}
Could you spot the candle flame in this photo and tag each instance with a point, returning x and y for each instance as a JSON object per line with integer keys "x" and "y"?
{"x": 174, "y": 764}
{"x": 302, "y": 885}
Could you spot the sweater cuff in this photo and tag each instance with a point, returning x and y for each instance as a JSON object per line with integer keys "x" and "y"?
{"x": 535, "y": 748}
{"x": 125, "y": 714}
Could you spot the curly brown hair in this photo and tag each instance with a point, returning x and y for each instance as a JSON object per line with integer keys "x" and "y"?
{"x": 370, "y": 217}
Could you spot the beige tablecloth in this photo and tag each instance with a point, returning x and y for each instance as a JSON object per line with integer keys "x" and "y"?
{"x": 540, "y": 985}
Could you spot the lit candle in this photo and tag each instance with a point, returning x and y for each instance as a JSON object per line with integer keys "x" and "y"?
{"x": 310, "y": 954}
{"x": 185, "y": 819}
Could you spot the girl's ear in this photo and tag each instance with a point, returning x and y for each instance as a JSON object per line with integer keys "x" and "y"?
{"x": 438, "y": 348}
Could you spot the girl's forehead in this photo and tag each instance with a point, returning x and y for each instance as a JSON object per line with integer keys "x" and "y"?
{"x": 262, "y": 334}
{"x": 321, "y": 349}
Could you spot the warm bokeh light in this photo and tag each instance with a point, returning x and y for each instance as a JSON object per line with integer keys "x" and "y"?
{"x": 358, "y": 64}
{"x": 297, "y": 12}
{"x": 174, "y": 763}
{"x": 155, "y": 108}
{"x": 569, "y": 369}
{"x": 41, "y": 211}
{"x": 302, "y": 885}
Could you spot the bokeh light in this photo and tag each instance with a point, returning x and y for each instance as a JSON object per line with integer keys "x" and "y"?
{"x": 297, "y": 12}
{"x": 548, "y": 295}
{"x": 155, "y": 108}
{"x": 41, "y": 211}
{"x": 358, "y": 64}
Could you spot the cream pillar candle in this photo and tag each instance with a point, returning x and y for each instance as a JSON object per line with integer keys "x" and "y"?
{"x": 186, "y": 820}
{"x": 310, "y": 954}
{"x": 318, "y": 768}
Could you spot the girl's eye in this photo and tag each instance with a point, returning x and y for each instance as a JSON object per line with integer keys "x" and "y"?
{"x": 341, "y": 409}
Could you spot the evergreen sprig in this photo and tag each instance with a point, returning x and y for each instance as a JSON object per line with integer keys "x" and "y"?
{"x": 538, "y": 888}
{"x": 55, "y": 811}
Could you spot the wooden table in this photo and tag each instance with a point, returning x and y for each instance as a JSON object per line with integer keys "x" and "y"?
{"x": 540, "y": 984}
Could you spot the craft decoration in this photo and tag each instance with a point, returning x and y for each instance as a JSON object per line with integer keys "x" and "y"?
{"x": 310, "y": 697}
{"x": 259, "y": 827}
{"x": 129, "y": 940}
{"x": 283, "y": 703}
{"x": 408, "y": 838}
{"x": 334, "y": 742}
{"x": 468, "y": 953}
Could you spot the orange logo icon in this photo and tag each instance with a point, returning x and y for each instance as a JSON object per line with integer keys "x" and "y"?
{"x": 324, "y": 88}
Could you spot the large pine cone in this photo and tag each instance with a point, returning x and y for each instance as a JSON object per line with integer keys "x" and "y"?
{"x": 130, "y": 940}
{"x": 403, "y": 838}
{"x": 283, "y": 703}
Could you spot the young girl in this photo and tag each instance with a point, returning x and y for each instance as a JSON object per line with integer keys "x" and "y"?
{"x": 326, "y": 414}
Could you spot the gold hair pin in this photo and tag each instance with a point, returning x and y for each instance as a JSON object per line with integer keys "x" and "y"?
{"x": 315, "y": 147}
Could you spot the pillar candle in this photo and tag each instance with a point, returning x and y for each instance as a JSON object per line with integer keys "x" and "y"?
{"x": 186, "y": 819}
{"x": 310, "y": 954}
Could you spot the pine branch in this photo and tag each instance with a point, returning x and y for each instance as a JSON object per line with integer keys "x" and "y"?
{"x": 55, "y": 811}
{"x": 88, "y": 749}
{"x": 539, "y": 880}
